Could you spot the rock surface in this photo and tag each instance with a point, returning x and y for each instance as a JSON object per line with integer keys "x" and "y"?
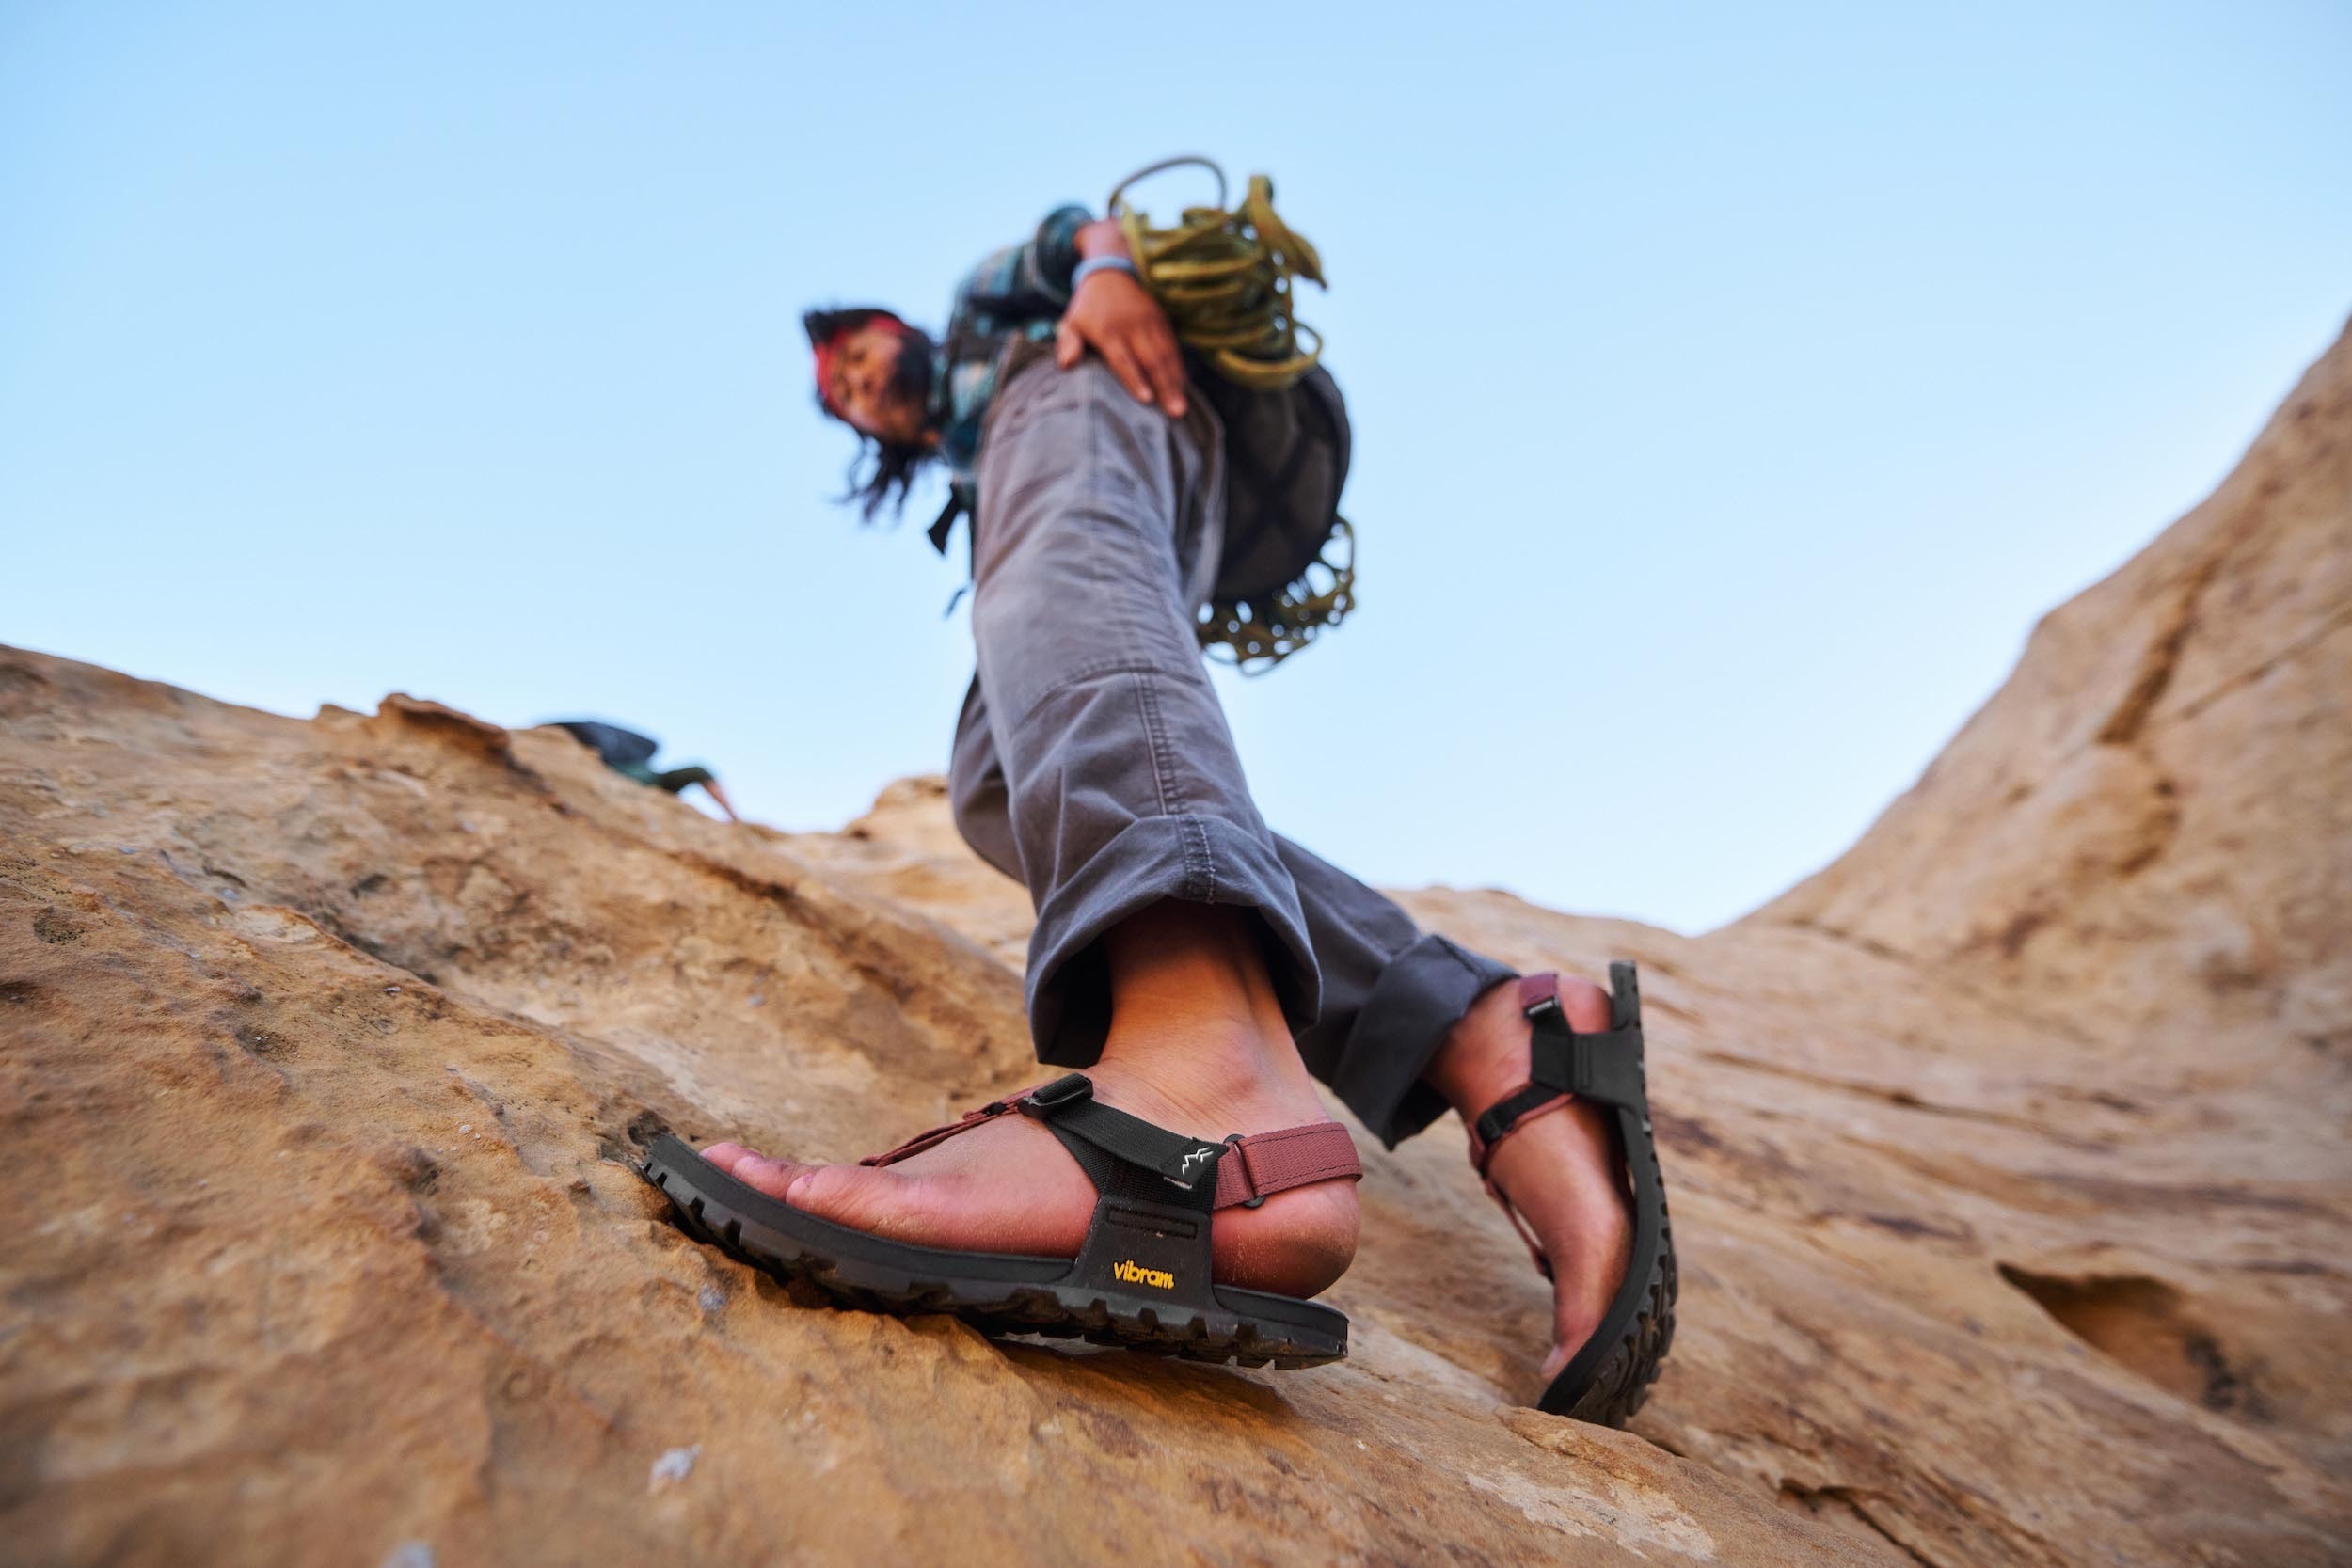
{"x": 2009, "y": 1155}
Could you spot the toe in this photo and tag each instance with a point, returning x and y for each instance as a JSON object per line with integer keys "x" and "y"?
{"x": 726, "y": 1156}
{"x": 761, "y": 1173}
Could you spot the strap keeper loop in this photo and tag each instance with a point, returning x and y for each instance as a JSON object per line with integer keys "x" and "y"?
{"x": 1061, "y": 1091}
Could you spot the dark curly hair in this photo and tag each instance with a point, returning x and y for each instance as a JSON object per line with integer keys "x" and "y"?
{"x": 879, "y": 467}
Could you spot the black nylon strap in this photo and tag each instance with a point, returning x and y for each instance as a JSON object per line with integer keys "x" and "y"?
{"x": 1505, "y": 1114}
{"x": 1068, "y": 1105}
{"x": 945, "y": 523}
{"x": 1606, "y": 1066}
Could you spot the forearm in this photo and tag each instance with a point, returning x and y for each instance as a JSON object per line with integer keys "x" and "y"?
{"x": 1103, "y": 237}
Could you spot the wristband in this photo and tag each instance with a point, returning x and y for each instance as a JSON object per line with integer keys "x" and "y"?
{"x": 1093, "y": 264}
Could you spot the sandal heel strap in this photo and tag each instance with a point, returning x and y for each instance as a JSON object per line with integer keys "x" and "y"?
{"x": 1262, "y": 1163}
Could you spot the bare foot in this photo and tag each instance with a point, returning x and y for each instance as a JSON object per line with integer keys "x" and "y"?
{"x": 1009, "y": 1186}
{"x": 1561, "y": 1169}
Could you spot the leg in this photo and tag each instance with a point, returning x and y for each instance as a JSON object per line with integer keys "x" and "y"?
{"x": 1121, "y": 779}
{"x": 1391, "y": 992}
{"x": 976, "y": 792}
{"x": 1561, "y": 1171}
{"x": 1171, "y": 958}
{"x": 1413, "y": 1023}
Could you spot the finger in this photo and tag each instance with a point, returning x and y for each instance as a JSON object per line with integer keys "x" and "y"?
{"x": 1167, "y": 373}
{"x": 1068, "y": 345}
{"x": 1121, "y": 360}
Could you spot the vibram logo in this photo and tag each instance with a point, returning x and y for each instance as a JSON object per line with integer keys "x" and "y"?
{"x": 1131, "y": 1273}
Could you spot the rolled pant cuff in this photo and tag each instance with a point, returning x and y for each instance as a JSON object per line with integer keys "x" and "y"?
{"x": 1422, "y": 994}
{"x": 1198, "y": 859}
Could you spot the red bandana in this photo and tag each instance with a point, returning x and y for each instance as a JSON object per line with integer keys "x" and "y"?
{"x": 827, "y": 349}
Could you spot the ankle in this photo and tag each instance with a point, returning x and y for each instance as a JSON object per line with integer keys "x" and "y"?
{"x": 1207, "y": 1082}
{"x": 1484, "y": 1053}
{"x": 1193, "y": 966}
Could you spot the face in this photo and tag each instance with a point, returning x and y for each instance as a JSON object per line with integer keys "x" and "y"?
{"x": 865, "y": 386}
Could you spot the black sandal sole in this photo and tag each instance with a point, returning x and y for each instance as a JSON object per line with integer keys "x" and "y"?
{"x": 1609, "y": 1377}
{"x": 998, "y": 1293}
{"x": 1613, "y": 1391}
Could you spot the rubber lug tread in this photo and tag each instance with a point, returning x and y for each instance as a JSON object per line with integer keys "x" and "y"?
{"x": 994, "y": 1308}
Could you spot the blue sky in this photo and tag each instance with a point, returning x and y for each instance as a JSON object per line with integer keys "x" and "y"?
{"x": 1733, "y": 386}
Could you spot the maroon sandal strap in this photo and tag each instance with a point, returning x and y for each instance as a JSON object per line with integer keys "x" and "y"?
{"x": 938, "y": 1135}
{"x": 1511, "y": 1212}
{"x": 1267, "y": 1162}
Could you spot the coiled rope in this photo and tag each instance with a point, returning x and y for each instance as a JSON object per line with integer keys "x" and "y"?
{"x": 1228, "y": 279}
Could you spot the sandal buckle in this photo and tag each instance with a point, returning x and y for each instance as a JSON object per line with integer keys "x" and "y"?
{"x": 1256, "y": 1198}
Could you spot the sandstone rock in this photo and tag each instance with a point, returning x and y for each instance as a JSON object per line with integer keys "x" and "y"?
{"x": 2008, "y": 1154}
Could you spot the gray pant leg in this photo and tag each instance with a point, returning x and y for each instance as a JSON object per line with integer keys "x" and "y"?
{"x": 976, "y": 793}
{"x": 1390, "y": 992}
{"x": 1123, "y": 787}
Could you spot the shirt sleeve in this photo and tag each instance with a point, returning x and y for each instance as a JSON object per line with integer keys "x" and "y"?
{"x": 1052, "y": 253}
{"x": 1030, "y": 279}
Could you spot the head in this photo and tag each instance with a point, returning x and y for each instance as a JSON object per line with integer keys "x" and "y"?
{"x": 874, "y": 375}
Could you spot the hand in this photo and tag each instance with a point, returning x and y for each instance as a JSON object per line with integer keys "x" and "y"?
{"x": 1118, "y": 318}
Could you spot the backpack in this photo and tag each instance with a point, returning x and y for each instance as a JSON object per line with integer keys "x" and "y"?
{"x": 1288, "y": 570}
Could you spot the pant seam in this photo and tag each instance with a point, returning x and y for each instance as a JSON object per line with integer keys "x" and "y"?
{"x": 1172, "y": 794}
{"x": 1201, "y": 861}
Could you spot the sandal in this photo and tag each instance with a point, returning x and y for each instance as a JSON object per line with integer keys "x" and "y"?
{"x": 1607, "y": 1380}
{"x": 1142, "y": 1279}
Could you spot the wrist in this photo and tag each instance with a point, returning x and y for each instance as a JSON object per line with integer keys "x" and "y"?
{"x": 1094, "y": 267}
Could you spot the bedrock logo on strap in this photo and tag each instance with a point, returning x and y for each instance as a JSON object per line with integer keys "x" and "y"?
{"x": 1129, "y": 1272}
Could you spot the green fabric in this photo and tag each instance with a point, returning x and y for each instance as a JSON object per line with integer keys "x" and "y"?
{"x": 673, "y": 780}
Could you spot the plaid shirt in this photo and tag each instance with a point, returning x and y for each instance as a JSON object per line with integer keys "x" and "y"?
{"x": 1019, "y": 291}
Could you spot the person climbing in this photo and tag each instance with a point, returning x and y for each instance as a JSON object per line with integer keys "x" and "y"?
{"x": 631, "y": 755}
{"x": 1191, "y": 969}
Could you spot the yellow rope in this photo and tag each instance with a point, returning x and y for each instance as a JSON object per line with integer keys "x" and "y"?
{"x": 1228, "y": 279}
{"x": 1229, "y": 283}
{"x": 1255, "y": 638}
